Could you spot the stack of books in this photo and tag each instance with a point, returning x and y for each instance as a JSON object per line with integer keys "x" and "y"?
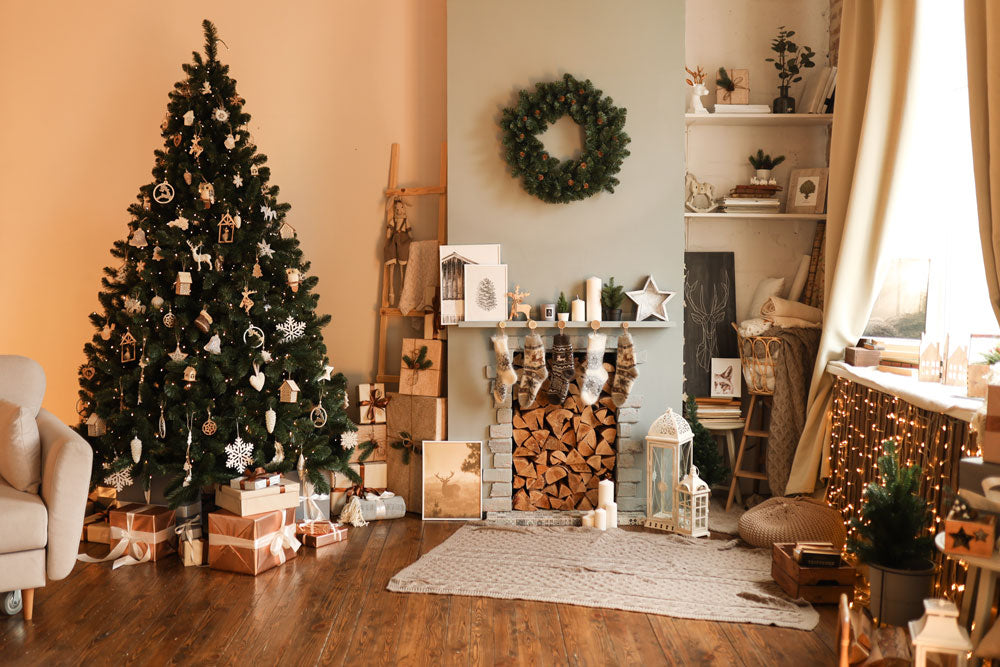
{"x": 751, "y": 204}
{"x": 742, "y": 108}
{"x": 754, "y": 191}
{"x": 819, "y": 92}
{"x": 718, "y": 410}
{"x": 816, "y": 554}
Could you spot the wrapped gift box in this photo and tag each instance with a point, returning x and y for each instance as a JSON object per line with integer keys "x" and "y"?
{"x": 317, "y": 534}
{"x": 423, "y": 418}
{"x": 989, "y": 439}
{"x": 376, "y": 508}
{"x": 251, "y": 544}
{"x": 968, "y": 532}
{"x": 372, "y": 403}
{"x": 245, "y": 503}
{"x": 101, "y": 498}
{"x": 376, "y": 433}
{"x": 741, "y": 95}
{"x": 258, "y": 479}
{"x": 193, "y": 552}
{"x": 97, "y": 533}
{"x": 319, "y": 509}
{"x": 373, "y": 478}
{"x": 413, "y": 381}
{"x": 146, "y": 528}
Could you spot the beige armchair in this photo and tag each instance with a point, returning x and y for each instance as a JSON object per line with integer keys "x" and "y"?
{"x": 40, "y": 532}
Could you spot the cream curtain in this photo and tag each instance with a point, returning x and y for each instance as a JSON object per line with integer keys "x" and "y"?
{"x": 982, "y": 23}
{"x": 876, "y": 50}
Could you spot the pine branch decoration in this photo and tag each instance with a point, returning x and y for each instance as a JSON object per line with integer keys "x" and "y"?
{"x": 421, "y": 363}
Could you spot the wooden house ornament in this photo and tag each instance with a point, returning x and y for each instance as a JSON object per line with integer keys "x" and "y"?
{"x": 929, "y": 369}
{"x": 182, "y": 285}
{"x": 96, "y": 426}
{"x": 190, "y": 374}
{"x": 956, "y": 372}
{"x": 289, "y": 391}
{"x": 286, "y": 231}
{"x": 227, "y": 229}
{"x": 127, "y": 345}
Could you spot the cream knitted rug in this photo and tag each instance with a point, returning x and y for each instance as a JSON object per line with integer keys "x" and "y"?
{"x": 634, "y": 571}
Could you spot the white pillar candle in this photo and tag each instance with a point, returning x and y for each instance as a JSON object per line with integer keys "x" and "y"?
{"x": 578, "y": 310}
{"x": 612, "y": 512}
{"x": 600, "y": 519}
{"x": 593, "y": 299}
{"x": 605, "y": 492}
{"x": 588, "y": 519}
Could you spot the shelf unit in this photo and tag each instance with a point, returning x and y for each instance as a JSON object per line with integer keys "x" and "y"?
{"x": 778, "y": 217}
{"x": 521, "y": 324}
{"x": 758, "y": 119}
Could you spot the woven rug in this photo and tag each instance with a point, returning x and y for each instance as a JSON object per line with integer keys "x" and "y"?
{"x": 633, "y": 571}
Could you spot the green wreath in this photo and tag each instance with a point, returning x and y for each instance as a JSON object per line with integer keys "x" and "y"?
{"x": 546, "y": 177}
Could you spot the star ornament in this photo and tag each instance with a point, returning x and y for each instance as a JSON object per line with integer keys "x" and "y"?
{"x": 651, "y": 300}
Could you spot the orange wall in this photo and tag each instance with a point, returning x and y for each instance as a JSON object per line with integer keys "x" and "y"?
{"x": 83, "y": 88}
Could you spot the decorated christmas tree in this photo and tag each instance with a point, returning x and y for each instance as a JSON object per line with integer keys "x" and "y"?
{"x": 209, "y": 357}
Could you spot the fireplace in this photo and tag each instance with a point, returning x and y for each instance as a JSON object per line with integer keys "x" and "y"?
{"x": 544, "y": 461}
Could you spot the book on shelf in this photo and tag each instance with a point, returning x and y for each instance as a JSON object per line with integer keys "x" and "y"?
{"x": 815, "y": 86}
{"x": 826, "y": 103}
{"x": 733, "y": 109}
{"x": 759, "y": 190}
{"x": 761, "y": 202}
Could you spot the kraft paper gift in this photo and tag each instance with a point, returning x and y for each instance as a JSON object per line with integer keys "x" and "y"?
{"x": 417, "y": 381}
{"x": 372, "y": 402}
{"x": 251, "y": 544}
{"x": 421, "y": 418}
{"x": 317, "y": 534}
{"x": 255, "y": 479}
{"x": 138, "y": 534}
{"x": 376, "y": 433}
{"x": 384, "y": 506}
{"x": 245, "y": 503}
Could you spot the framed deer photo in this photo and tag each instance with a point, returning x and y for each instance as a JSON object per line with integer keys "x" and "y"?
{"x": 453, "y": 480}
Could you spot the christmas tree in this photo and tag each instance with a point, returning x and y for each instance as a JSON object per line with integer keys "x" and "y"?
{"x": 209, "y": 357}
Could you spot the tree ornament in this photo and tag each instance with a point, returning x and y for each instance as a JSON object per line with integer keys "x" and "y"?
{"x": 136, "y": 445}
{"x": 177, "y": 354}
{"x": 133, "y": 306}
{"x": 165, "y": 123}
{"x": 206, "y": 192}
{"x": 180, "y": 222}
{"x": 162, "y": 426}
{"x": 182, "y": 286}
{"x": 87, "y": 372}
{"x": 289, "y": 391}
{"x": 146, "y": 203}
{"x": 198, "y": 256}
{"x": 318, "y": 416}
{"x": 163, "y": 193}
{"x": 327, "y": 372}
{"x": 209, "y": 427}
{"x": 227, "y": 229}
{"x": 118, "y": 479}
{"x": 127, "y": 345}
{"x": 169, "y": 320}
{"x": 254, "y": 170}
{"x": 177, "y": 139}
{"x": 257, "y": 377}
{"x": 196, "y": 149}
{"x": 287, "y": 231}
{"x": 238, "y": 181}
{"x": 220, "y": 114}
{"x": 188, "y": 178}
{"x": 349, "y": 440}
{"x": 294, "y": 277}
{"x": 247, "y": 303}
{"x": 206, "y": 88}
{"x": 239, "y": 455}
{"x": 265, "y": 356}
{"x": 189, "y": 117}
{"x": 257, "y": 272}
{"x": 269, "y": 213}
{"x": 279, "y": 452}
{"x": 203, "y": 321}
{"x": 264, "y": 249}
{"x": 230, "y": 143}
{"x": 218, "y": 263}
{"x": 190, "y": 375}
{"x": 187, "y": 452}
{"x": 214, "y": 345}
{"x": 106, "y": 331}
{"x": 254, "y": 336}
{"x": 546, "y": 177}
{"x": 270, "y": 419}
{"x": 156, "y": 302}
{"x": 138, "y": 238}
{"x": 122, "y": 273}
{"x": 292, "y": 330}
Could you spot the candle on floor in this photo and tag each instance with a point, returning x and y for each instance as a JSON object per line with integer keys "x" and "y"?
{"x": 588, "y": 519}
{"x": 593, "y": 298}
{"x": 578, "y": 310}
{"x": 605, "y": 492}
{"x": 600, "y": 519}
{"x": 612, "y": 511}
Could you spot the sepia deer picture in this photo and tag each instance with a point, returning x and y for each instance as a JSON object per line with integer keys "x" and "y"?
{"x": 453, "y": 480}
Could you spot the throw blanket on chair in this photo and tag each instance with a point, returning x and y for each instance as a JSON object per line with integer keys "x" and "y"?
{"x": 792, "y": 376}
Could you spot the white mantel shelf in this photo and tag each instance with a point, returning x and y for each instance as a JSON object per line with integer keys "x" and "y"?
{"x": 521, "y": 324}
{"x": 788, "y": 217}
{"x": 774, "y": 119}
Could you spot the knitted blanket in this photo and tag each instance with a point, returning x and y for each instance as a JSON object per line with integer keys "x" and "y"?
{"x": 644, "y": 572}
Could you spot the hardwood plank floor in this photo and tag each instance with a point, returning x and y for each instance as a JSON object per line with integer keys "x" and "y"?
{"x": 330, "y": 606}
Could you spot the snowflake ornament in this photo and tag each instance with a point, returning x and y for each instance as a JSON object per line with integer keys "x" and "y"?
{"x": 349, "y": 439}
{"x": 238, "y": 181}
{"x": 292, "y": 329}
{"x": 133, "y": 306}
{"x": 264, "y": 249}
{"x": 118, "y": 479}
{"x": 240, "y": 454}
{"x": 220, "y": 114}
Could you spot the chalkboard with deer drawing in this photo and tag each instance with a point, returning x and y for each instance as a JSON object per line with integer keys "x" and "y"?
{"x": 709, "y": 308}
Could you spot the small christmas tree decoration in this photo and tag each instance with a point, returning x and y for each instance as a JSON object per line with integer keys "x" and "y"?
{"x": 206, "y": 192}
{"x": 247, "y": 303}
{"x": 292, "y": 329}
{"x": 209, "y": 427}
{"x": 254, "y": 336}
{"x": 133, "y": 306}
{"x": 287, "y": 231}
{"x": 177, "y": 139}
{"x": 203, "y": 321}
{"x": 163, "y": 193}
{"x": 327, "y": 370}
{"x": 318, "y": 416}
{"x": 138, "y": 238}
{"x": 294, "y": 277}
{"x": 96, "y": 427}
{"x": 136, "y": 446}
{"x": 190, "y": 374}
{"x": 169, "y": 319}
{"x": 165, "y": 122}
{"x": 182, "y": 286}
{"x": 269, "y": 213}
{"x": 157, "y": 253}
{"x": 238, "y": 181}
{"x": 214, "y": 345}
{"x": 119, "y": 479}
{"x": 106, "y": 331}
{"x": 161, "y": 428}
{"x": 254, "y": 170}
{"x": 177, "y": 355}
{"x": 227, "y": 229}
{"x": 257, "y": 272}
{"x": 127, "y": 345}
{"x": 264, "y": 249}
{"x": 239, "y": 455}
{"x": 206, "y": 88}
{"x": 147, "y": 204}
{"x": 218, "y": 263}
{"x": 270, "y": 419}
{"x": 189, "y": 117}
{"x": 289, "y": 391}
{"x": 257, "y": 377}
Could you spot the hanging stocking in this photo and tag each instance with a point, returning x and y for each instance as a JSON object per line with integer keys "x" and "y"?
{"x": 562, "y": 369}
{"x": 595, "y": 376}
{"x": 534, "y": 372}
{"x": 506, "y": 377}
{"x": 625, "y": 372}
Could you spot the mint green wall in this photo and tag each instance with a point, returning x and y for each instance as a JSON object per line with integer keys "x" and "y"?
{"x": 632, "y": 50}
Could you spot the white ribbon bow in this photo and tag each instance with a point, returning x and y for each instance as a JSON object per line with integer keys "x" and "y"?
{"x": 284, "y": 539}
{"x": 134, "y": 546}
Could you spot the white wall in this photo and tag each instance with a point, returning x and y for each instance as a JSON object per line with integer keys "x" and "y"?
{"x": 737, "y": 34}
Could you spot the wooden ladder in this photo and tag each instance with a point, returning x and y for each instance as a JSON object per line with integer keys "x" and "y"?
{"x": 758, "y": 403}
{"x": 387, "y": 312}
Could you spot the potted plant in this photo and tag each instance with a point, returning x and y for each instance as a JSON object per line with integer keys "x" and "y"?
{"x": 763, "y": 164}
{"x": 893, "y": 539}
{"x": 562, "y": 308}
{"x": 612, "y": 297}
{"x": 979, "y": 373}
{"x": 791, "y": 60}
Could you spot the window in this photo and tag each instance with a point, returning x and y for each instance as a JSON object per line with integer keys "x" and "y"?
{"x": 936, "y": 281}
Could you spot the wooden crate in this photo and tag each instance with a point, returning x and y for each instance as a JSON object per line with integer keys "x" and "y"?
{"x": 819, "y": 585}
{"x": 859, "y": 356}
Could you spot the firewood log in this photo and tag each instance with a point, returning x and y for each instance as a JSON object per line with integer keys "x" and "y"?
{"x": 594, "y": 462}
{"x": 603, "y": 448}
{"x": 553, "y": 475}
{"x": 521, "y": 434}
{"x": 518, "y": 482}
{"x": 524, "y": 467}
{"x": 523, "y": 502}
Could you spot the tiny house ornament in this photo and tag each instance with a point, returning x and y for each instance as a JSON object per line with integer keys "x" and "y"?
{"x": 190, "y": 374}
{"x": 289, "y": 391}
{"x": 227, "y": 228}
{"x": 182, "y": 286}
{"x": 189, "y": 117}
{"x": 206, "y": 191}
{"x": 294, "y": 277}
{"x": 668, "y": 454}
{"x": 96, "y": 426}
{"x": 127, "y": 345}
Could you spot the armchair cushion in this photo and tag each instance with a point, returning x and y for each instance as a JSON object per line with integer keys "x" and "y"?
{"x": 20, "y": 448}
{"x": 23, "y": 520}
{"x": 23, "y": 382}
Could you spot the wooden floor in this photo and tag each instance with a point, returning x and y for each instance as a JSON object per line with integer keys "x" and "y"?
{"x": 330, "y": 606}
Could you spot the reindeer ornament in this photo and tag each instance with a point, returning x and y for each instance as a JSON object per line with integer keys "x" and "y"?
{"x": 698, "y": 89}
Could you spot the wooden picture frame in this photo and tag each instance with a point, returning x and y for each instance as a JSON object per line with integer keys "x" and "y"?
{"x": 807, "y": 191}
{"x": 452, "y": 480}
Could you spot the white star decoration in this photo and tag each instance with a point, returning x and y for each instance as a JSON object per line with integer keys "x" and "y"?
{"x": 327, "y": 371}
{"x": 265, "y": 249}
{"x": 651, "y": 300}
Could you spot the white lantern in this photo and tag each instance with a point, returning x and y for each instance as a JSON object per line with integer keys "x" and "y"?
{"x": 938, "y": 631}
{"x": 668, "y": 456}
{"x": 692, "y": 505}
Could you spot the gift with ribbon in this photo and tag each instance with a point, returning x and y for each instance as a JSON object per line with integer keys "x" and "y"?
{"x": 251, "y": 544}
{"x": 420, "y": 367}
{"x": 740, "y": 92}
{"x": 102, "y": 498}
{"x": 139, "y": 533}
{"x": 317, "y": 534}
{"x": 411, "y": 420}
{"x": 372, "y": 401}
{"x": 98, "y": 519}
{"x": 191, "y": 544}
{"x": 255, "y": 478}
{"x": 373, "y": 439}
{"x": 284, "y": 495}
{"x": 365, "y": 505}
{"x": 314, "y": 506}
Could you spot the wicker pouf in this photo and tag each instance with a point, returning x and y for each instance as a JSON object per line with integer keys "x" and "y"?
{"x": 791, "y": 520}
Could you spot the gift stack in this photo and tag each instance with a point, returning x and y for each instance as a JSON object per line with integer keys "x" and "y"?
{"x": 96, "y": 527}
{"x": 191, "y": 545}
{"x": 372, "y": 435}
{"x": 255, "y": 530}
{"x": 411, "y": 421}
{"x": 420, "y": 368}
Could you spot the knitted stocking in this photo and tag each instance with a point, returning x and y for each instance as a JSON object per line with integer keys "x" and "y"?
{"x": 595, "y": 376}
{"x": 562, "y": 369}
{"x": 534, "y": 372}
{"x": 506, "y": 377}
{"x": 625, "y": 372}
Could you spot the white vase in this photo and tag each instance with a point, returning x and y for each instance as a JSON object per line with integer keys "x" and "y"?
{"x": 563, "y": 317}
{"x": 764, "y": 175}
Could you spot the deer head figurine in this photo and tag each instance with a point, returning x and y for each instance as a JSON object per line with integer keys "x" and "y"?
{"x": 698, "y": 88}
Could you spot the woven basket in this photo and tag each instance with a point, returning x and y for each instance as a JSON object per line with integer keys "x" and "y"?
{"x": 791, "y": 520}
{"x": 757, "y": 356}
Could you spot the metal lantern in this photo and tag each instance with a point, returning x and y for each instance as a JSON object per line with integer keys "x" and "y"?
{"x": 668, "y": 457}
{"x": 692, "y": 505}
